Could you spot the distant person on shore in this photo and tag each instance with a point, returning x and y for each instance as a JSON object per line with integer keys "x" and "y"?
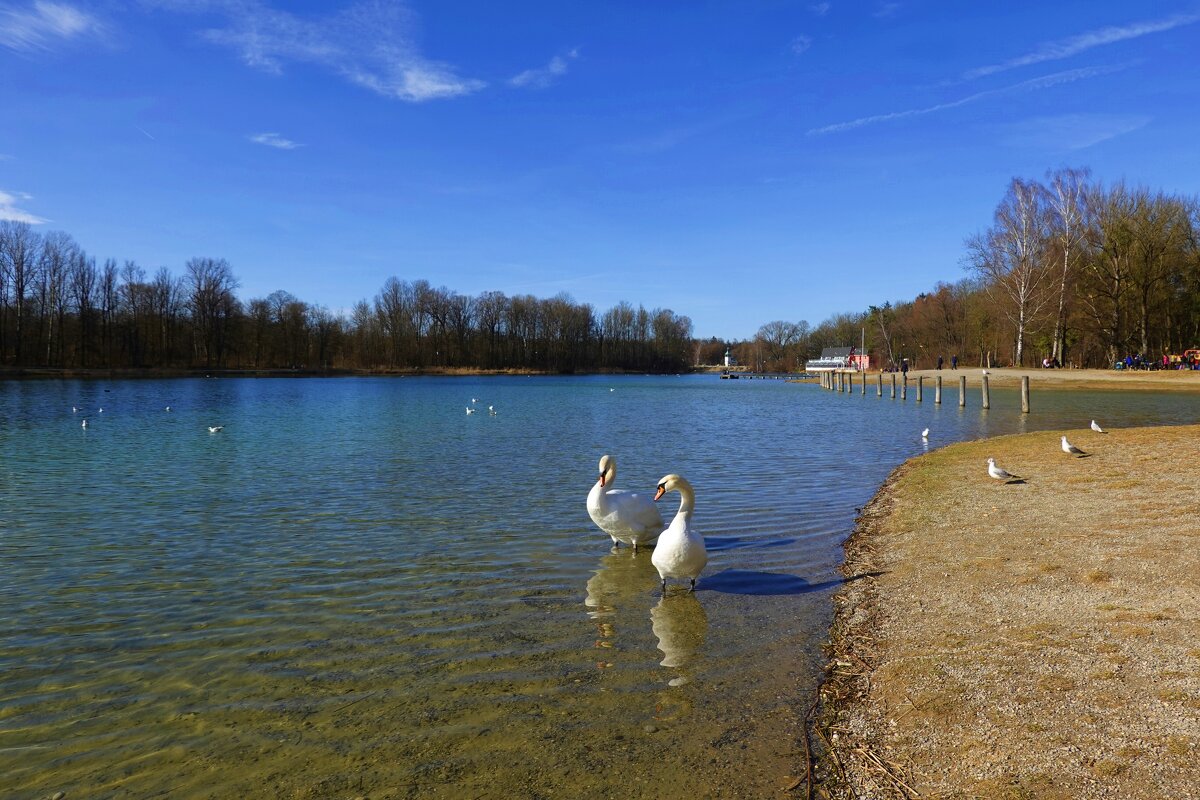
{"x": 939, "y": 363}
{"x": 954, "y": 361}
{"x": 904, "y": 366}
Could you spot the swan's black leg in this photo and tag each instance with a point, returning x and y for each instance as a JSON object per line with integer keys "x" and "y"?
{"x": 693, "y": 585}
{"x": 664, "y": 587}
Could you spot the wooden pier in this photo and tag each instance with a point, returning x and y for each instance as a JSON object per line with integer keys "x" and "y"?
{"x": 844, "y": 381}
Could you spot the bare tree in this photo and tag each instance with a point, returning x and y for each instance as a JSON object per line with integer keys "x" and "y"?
{"x": 19, "y": 254}
{"x": 1067, "y": 198}
{"x": 1011, "y": 257}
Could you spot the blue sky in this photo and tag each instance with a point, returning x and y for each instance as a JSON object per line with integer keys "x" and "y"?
{"x": 738, "y": 162}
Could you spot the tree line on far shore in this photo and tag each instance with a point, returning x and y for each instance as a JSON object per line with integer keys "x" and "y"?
{"x": 1070, "y": 272}
{"x": 60, "y": 308}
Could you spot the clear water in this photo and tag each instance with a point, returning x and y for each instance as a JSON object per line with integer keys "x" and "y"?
{"x": 356, "y": 588}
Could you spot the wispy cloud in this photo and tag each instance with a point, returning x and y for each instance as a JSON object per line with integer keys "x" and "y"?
{"x": 1065, "y": 48}
{"x": 542, "y": 77}
{"x": 820, "y": 9}
{"x": 1034, "y": 84}
{"x": 1070, "y": 131}
{"x": 372, "y": 44}
{"x": 274, "y": 140}
{"x": 9, "y": 210}
{"x": 41, "y": 25}
{"x": 886, "y": 10}
{"x": 800, "y": 44}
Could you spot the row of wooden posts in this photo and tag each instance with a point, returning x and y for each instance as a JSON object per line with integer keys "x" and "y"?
{"x": 843, "y": 381}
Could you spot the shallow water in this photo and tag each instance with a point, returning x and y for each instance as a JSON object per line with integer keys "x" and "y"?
{"x": 356, "y": 588}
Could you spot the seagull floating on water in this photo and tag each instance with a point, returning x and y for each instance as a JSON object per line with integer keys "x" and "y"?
{"x": 925, "y": 433}
{"x": 84, "y": 424}
{"x": 470, "y": 410}
{"x": 999, "y": 473}
{"x": 1071, "y": 449}
{"x": 168, "y": 408}
{"x": 215, "y": 428}
{"x": 1096, "y": 427}
{"x": 75, "y": 410}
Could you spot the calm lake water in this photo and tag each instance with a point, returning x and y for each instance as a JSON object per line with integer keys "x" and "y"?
{"x": 357, "y": 589}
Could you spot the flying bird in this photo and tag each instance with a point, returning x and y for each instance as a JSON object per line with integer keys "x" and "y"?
{"x": 1071, "y": 449}
{"x": 999, "y": 473}
{"x": 215, "y": 428}
{"x": 1096, "y": 427}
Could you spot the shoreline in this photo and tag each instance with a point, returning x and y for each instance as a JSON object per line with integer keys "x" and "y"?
{"x": 1020, "y": 640}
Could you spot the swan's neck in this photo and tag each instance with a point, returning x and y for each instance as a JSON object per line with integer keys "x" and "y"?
{"x": 687, "y": 500}
{"x": 610, "y": 476}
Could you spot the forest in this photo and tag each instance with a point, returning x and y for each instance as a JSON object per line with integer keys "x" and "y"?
{"x": 59, "y": 308}
{"x": 1069, "y": 271}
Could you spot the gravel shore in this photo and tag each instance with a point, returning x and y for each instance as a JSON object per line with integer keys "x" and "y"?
{"x": 1034, "y": 639}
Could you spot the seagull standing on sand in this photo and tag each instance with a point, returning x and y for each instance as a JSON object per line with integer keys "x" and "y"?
{"x": 1071, "y": 449}
{"x": 999, "y": 473}
{"x": 1096, "y": 427}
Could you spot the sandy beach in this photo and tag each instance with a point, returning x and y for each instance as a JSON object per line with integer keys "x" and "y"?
{"x": 1032, "y": 639}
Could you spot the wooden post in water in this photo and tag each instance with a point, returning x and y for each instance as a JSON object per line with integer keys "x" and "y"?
{"x": 920, "y": 388}
{"x": 880, "y": 384}
{"x": 937, "y": 391}
{"x": 987, "y": 399}
{"x": 962, "y": 391}
{"x": 850, "y": 382}
{"x": 1024, "y": 394}
{"x": 864, "y": 384}
{"x": 893, "y": 386}
{"x": 904, "y": 388}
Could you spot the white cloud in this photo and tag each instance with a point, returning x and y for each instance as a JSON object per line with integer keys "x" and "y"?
{"x": 801, "y": 43}
{"x": 820, "y": 9}
{"x": 1070, "y": 131}
{"x": 542, "y": 77}
{"x": 886, "y": 10}
{"x": 1065, "y": 48}
{"x": 9, "y": 210}
{"x": 42, "y": 24}
{"x": 371, "y": 44}
{"x": 1034, "y": 84}
{"x": 274, "y": 140}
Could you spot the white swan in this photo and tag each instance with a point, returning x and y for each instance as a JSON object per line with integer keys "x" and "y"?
{"x": 680, "y": 551}
{"x": 625, "y": 516}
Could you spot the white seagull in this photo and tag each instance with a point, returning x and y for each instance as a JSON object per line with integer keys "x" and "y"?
{"x": 680, "y": 550}
{"x": 1071, "y": 449}
{"x": 84, "y": 425}
{"x": 168, "y": 408}
{"x": 999, "y": 473}
{"x": 470, "y": 410}
{"x": 625, "y": 516}
{"x": 1096, "y": 427}
{"x": 925, "y": 433}
{"x": 74, "y": 409}
{"x": 215, "y": 428}
{"x": 491, "y": 411}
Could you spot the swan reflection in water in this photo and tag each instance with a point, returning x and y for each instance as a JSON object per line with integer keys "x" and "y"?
{"x": 680, "y": 624}
{"x": 621, "y": 582}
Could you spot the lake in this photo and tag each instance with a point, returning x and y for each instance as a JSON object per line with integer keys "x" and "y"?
{"x": 355, "y": 588}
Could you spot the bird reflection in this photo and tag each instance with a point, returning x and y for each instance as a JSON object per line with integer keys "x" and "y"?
{"x": 680, "y": 623}
{"x": 620, "y": 582}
